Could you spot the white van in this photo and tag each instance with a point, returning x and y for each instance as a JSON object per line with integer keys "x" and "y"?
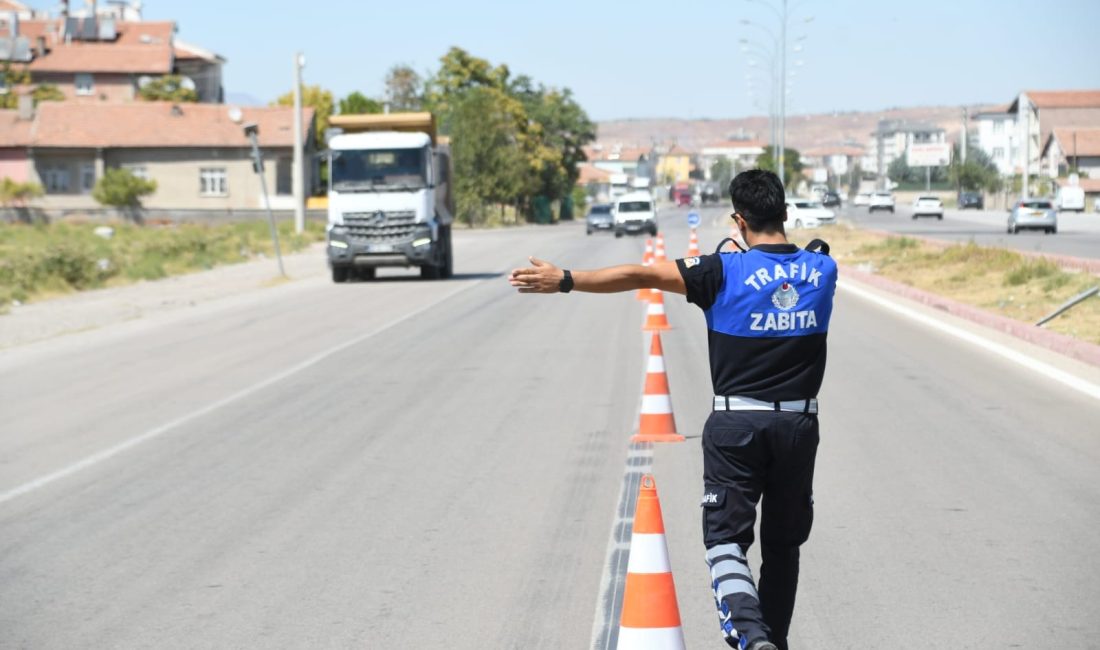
{"x": 635, "y": 213}
{"x": 1070, "y": 197}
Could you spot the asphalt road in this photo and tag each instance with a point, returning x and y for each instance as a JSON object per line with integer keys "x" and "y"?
{"x": 1078, "y": 234}
{"x": 406, "y": 464}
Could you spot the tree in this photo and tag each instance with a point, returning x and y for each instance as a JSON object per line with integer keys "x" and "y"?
{"x": 792, "y": 165}
{"x": 14, "y": 194}
{"x": 977, "y": 173}
{"x": 564, "y": 130}
{"x": 169, "y": 88}
{"x": 359, "y": 104}
{"x": 317, "y": 98}
{"x": 721, "y": 172}
{"x": 488, "y": 159}
{"x": 404, "y": 89}
{"x": 47, "y": 93}
{"x": 120, "y": 188}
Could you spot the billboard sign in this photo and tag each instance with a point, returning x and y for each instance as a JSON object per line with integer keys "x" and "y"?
{"x": 929, "y": 154}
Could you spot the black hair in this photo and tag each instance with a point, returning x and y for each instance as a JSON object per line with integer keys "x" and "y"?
{"x": 758, "y": 196}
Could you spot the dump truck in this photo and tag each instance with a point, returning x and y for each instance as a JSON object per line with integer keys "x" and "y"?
{"x": 389, "y": 196}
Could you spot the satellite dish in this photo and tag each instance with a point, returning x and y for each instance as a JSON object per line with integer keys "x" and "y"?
{"x": 187, "y": 83}
{"x": 235, "y": 114}
{"x": 144, "y": 80}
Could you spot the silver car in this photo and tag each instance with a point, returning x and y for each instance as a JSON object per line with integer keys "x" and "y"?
{"x": 599, "y": 218}
{"x": 1034, "y": 214}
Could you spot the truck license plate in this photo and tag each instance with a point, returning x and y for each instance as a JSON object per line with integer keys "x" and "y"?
{"x": 379, "y": 248}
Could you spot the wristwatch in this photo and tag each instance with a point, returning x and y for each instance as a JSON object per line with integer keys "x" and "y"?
{"x": 566, "y": 284}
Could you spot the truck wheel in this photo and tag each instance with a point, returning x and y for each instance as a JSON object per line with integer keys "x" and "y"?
{"x": 339, "y": 274}
{"x": 618, "y": 233}
{"x": 448, "y": 268}
{"x": 365, "y": 273}
{"x": 429, "y": 272}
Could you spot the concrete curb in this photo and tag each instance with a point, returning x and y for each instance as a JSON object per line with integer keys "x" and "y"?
{"x": 1060, "y": 343}
{"x": 1091, "y": 266}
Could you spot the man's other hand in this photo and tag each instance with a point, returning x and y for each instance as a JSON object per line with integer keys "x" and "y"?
{"x": 541, "y": 277}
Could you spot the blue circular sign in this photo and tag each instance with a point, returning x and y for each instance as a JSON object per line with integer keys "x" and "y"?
{"x": 693, "y": 219}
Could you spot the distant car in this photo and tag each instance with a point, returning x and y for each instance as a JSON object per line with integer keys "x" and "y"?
{"x": 635, "y": 213}
{"x": 710, "y": 194}
{"x": 928, "y": 206}
{"x": 831, "y": 199}
{"x": 881, "y": 201}
{"x": 1070, "y": 199}
{"x": 806, "y": 210}
{"x": 599, "y": 218}
{"x": 971, "y": 200}
{"x": 863, "y": 198}
{"x": 1033, "y": 214}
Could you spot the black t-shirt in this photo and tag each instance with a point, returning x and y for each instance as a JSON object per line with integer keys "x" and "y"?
{"x": 767, "y": 313}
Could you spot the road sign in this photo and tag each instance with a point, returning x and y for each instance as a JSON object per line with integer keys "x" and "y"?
{"x": 929, "y": 154}
{"x": 693, "y": 219}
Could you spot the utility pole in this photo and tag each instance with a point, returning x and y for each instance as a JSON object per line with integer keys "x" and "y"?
{"x": 297, "y": 182}
{"x": 1027, "y": 145}
{"x": 782, "y": 163}
{"x": 965, "y": 135}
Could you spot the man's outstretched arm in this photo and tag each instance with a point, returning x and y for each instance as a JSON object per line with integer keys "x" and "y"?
{"x": 544, "y": 277}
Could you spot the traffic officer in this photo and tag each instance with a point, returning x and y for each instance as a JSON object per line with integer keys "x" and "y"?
{"x": 767, "y": 312}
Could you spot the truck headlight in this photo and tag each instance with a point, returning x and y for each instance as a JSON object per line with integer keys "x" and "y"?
{"x": 335, "y": 243}
{"x": 423, "y": 241}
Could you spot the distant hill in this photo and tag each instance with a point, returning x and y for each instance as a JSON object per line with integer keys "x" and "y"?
{"x": 803, "y": 131}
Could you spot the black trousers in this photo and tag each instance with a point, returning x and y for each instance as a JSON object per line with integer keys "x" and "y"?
{"x": 749, "y": 455}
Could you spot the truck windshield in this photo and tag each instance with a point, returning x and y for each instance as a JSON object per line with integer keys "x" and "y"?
{"x": 634, "y": 206}
{"x": 379, "y": 169}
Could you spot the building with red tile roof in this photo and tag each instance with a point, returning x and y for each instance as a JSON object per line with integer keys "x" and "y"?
{"x": 106, "y": 58}
{"x": 199, "y": 157}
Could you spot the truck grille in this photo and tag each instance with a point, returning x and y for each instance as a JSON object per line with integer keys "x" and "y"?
{"x": 380, "y": 226}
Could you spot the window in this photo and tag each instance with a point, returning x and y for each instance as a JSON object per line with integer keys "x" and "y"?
{"x": 999, "y": 127}
{"x": 998, "y": 153}
{"x": 138, "y": 170}
{"x": 85, "y": 83}
{"x": 213, "y": 182}
{"x": 87, "y": 177}
{"x": 56, "y": 179}
{"x": 284, "y": 177}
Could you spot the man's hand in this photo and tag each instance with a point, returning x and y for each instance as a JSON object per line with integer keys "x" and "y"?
{"x": 542, "y": 277}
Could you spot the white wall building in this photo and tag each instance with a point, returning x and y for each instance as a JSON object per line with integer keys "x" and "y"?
{"x": 892, "y": 140}
{"x": 999, "y": 138}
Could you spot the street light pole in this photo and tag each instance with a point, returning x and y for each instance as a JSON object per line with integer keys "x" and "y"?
{"x": 783, "y": 97}
{"x": 297, "y": 181}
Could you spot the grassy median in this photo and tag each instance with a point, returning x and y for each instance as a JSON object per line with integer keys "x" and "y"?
{"x": 994, "y": 279}
{"x": 39, "y": 261}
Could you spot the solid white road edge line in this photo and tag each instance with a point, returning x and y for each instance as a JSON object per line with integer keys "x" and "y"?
{"x": 1062, "y": 377}
{"x": 110, "y": 452}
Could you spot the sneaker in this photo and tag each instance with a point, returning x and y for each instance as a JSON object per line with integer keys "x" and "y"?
{"x": 762, "y": 644}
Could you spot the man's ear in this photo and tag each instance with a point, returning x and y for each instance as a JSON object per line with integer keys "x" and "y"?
{"x": 784, "y": 214}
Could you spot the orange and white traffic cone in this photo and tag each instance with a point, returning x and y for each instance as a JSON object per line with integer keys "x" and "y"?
{"x": 647, "y": 260}
{"x": 655, "y": 318}
{"x": 656, "y": 423}
{"x": 659, "y": 253}
{"x": 693, "y": 244}
{"x": 651, "y": 617}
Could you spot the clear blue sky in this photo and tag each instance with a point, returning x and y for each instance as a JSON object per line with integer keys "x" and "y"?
{"x": 663, "y": 59}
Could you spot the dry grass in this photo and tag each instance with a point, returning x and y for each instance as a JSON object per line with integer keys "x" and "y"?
{"x": 994, "y": 279}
